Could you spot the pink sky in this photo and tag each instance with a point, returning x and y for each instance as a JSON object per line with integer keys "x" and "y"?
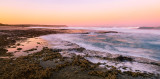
{"x": 81, "y": 12}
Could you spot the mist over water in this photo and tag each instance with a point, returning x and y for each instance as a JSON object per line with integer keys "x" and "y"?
{"x": 129, "y": 41}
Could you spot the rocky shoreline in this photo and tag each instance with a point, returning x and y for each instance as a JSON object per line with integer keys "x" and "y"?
{"x": 64, "y": 60}
{"x": 71, "y": 49}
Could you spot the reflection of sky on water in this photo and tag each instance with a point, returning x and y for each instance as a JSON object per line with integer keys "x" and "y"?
{"x": 28, "y": 44}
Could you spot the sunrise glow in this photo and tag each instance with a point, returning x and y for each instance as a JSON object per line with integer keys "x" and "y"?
{"x": 81, "y": 12}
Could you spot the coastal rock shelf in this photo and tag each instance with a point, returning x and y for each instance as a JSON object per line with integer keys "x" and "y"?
{"x": 123, "y": 63}
{"x": 81, "y": 54}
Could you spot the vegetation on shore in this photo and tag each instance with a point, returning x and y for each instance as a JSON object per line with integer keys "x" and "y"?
{"x": 29, "y": 67}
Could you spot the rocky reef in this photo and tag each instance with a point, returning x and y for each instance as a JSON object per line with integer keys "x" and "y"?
{"x": 64, "y": 60}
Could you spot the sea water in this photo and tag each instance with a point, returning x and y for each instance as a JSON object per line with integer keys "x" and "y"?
{"x": 128, "y": 41}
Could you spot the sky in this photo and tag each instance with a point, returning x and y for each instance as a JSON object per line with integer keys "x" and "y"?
{"x": 81, "y": 12}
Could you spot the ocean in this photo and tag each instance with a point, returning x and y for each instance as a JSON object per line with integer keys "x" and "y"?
{"x": 129, "y": 41}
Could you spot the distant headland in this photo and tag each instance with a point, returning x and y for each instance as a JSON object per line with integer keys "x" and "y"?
{"x": 149, "y": 27}
{"x": 29, "y": 25}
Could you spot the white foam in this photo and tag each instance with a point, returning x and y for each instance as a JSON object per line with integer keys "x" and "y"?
{"x": 58, "y": 42}
{"x": 131, "y": 66}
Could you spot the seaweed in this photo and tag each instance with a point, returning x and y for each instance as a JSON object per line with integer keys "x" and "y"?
{"x": 81, "y": 49}
{"x": 33, "y": 49}
{"x": 122, "y": 58}
{"x": 24, "y": 67}
{"x": 108, "y": 74}
{"x": 3, "y": 51}
{"x": 19, "y": 48}
{"x": 28, "y": 67}
{"x": 136, "y": 74}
